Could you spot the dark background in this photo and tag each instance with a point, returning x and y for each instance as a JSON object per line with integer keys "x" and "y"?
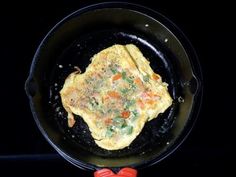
{"x": 209, "y": 148}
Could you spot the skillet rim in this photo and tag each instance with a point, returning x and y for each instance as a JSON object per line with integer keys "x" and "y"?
{"x": 197, "y": 73}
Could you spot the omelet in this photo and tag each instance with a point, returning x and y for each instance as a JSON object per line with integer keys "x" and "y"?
{"x": 116, "y": 95}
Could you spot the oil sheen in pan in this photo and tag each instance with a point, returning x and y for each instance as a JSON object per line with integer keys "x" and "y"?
{"x": 155, "y": 133}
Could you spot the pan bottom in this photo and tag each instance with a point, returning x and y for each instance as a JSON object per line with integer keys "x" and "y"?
{"x": 156, "y": 133}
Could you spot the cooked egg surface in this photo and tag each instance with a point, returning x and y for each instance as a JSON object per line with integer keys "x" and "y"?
{"x": 116, "y": 95}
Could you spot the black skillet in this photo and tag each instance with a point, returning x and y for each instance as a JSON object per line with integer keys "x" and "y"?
{"x": 73, "y": 41}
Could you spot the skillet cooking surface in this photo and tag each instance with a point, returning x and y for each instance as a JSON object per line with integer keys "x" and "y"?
{"x": 155, "y": 134}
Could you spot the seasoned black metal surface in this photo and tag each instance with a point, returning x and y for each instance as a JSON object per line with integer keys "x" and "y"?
{"x": 156, "y": 132}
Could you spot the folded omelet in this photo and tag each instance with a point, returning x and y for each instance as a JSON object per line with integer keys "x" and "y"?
{"x": 116, "y": 95}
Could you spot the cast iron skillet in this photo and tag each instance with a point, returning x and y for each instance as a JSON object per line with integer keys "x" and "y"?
{"x": 80, "y": 35}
